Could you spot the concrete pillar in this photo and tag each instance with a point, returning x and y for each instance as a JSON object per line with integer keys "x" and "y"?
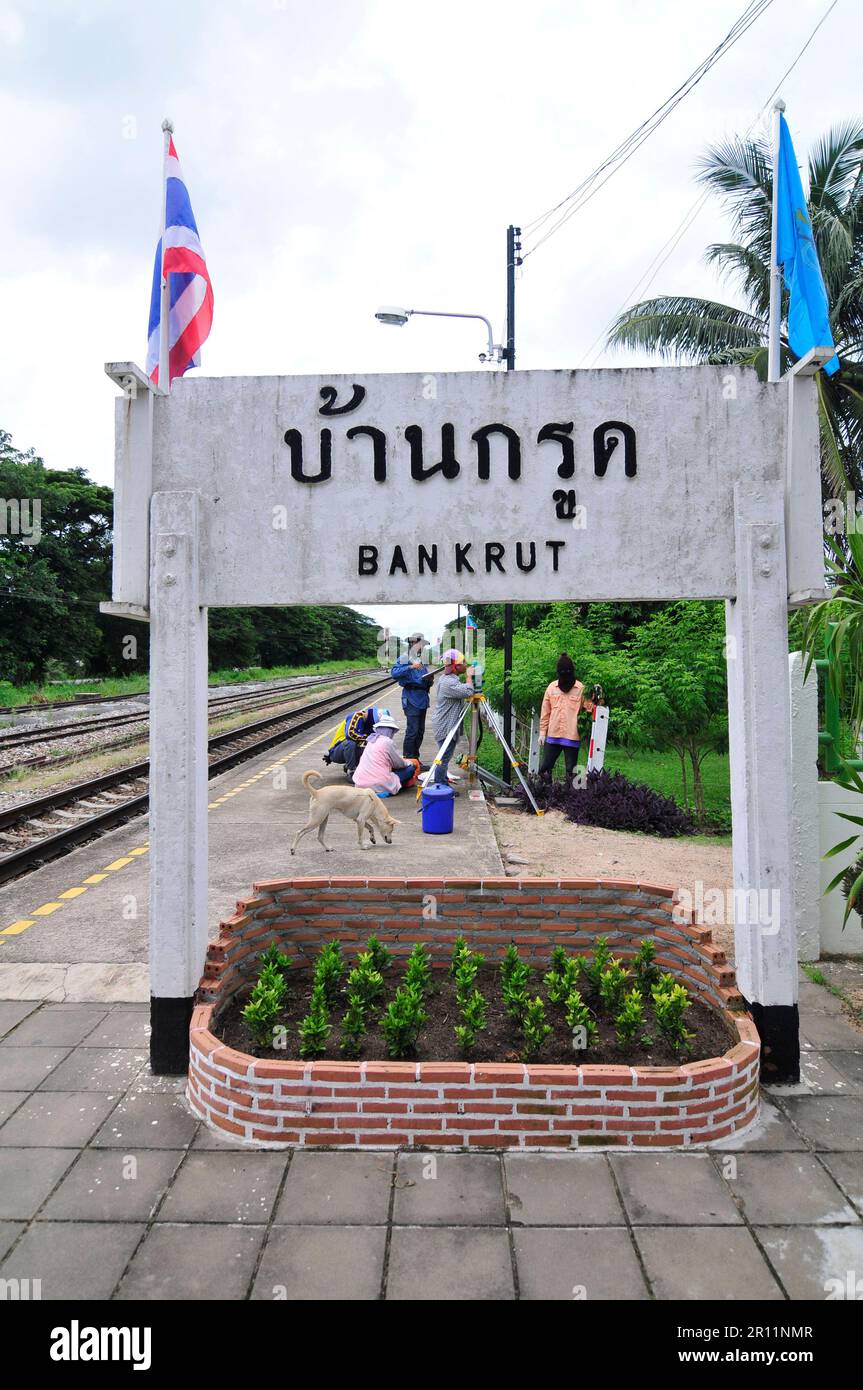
{"x": 178, "y": 777}
{"x": 804, "y": 808}
{"x": 759, "y": 717}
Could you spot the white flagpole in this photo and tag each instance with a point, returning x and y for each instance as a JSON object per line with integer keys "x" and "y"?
{"x": 165, "y": 302}
{"x": 774, "y": 370}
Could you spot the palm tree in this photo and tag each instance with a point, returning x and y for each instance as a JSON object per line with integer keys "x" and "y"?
{"x": 701, "y": 330}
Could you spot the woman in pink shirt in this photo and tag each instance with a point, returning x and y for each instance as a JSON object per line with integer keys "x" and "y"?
{"x": 382, "y": 766}
{"x": 562, "y": 703}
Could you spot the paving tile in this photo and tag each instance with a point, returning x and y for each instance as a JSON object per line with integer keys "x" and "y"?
{"x": 211, "y": 1139}
{"x": 788, "y": 1189}
{"x": 9, "y": 1233}
{"x": 345, "y": 1188}
{"x": 59, "y": 1119}
{"x": 828, "y": 1122}
{"x": 225, "y": 1188}
{"x": 676, "y": 1189}
{"x": 25, "y": 1068}
{"x": 706, "y": 1262}
{"x": 817, "y": 999}
{"x": 110, "y": 1185}
{"x": 148, "y": 1121}
{"x": 828, "y": 1032}
{"x": 820, "y": 1074}
{"x": 184, "y": 1263}
{"x": 449, "y": 1263}
{"x": 96, "y": 1069}
{"x": 807, "y": 1258}
{"x": 322, "y": 1263}
{"x": 121, "y": 1028}
{"x": 850, "y": 1065}
{"x": 73, "y": 1259}
{"x": 771, "y": 1132}
{"x": 26, "y": 1178}
{"x": 13, "y": 1010}
{"x": 561, "y": 1190}
{"x": 847, "y": 1169}
{"x": 9, "y": 1102}
{"x": 55, "y": 1027}
{"x": 460, "y": 1189}
{"x": 578, "y": 1263}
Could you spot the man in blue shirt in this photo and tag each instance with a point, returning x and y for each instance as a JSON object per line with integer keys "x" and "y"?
{"x": 415, "y": 679}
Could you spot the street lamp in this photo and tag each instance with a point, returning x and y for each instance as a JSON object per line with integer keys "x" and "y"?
{"x": 397, "y": 318}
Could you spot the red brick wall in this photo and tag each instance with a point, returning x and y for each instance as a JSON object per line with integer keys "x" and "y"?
{"x": 463, "y": 1104}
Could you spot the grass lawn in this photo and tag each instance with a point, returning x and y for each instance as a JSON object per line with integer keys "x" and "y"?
{"x": 13, "y": 695}
{"x": 661, "y": 771}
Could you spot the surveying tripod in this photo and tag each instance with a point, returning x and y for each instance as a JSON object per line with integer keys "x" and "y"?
{"x": 478, "y": 707}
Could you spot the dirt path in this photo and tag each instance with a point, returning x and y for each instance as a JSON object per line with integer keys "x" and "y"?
{"x": 555, "y": 848}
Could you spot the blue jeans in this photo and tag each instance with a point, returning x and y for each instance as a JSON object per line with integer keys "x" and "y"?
{"x": 414, "y": 731}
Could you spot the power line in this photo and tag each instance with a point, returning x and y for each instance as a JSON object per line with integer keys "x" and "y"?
{"x": 690, "y": 216}
{"x": 591, "y": 185}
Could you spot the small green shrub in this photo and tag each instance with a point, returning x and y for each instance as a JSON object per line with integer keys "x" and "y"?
{"x": 578, "y": 1015}
{"x": 644, "y": 967}
{"x": 273, "y": 956}
{"x": 473, "y": 1011}
{"x": 365, "y": 981}
{"x": 597, "y": 963}
{"x": 458, "y": 951}
{"x": 381, "y": 957}
{"x": 402, "y": 1020}
{"x": 418, "y": 970}
{"x": 612, "y": 985}
{"x": 669, "y": 1007}
{"x": 353, "y": 1026}
{"x": 535, "y": 1029}
{"x": 329, "y": 969}
{"x": 465, "y": 976}
{"x": 562, "y": 978}
{"x": 315, "y": 1027}
{"x": 509, "y": 963}
{"x": 265, "y": 1002}
{"x": 514, "y": 991}
{"x": 630, "y": 1018}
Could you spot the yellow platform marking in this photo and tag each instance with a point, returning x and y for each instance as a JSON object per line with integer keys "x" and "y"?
{"x": 46, "y": 909}
{"x": 95, "y": 878}
{"x": 17, "y": 927}
{"x": 118, "y": 864}
{"x": 72, "y": 893}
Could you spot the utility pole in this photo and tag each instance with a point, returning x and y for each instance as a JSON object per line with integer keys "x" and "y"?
{"x": 513, "y": 259}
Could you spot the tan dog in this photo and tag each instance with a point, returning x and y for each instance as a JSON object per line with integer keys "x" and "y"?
{"x": 360, "y": 804}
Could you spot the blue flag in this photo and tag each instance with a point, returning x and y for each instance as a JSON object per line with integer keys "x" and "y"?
{"x": 808, "y": 315}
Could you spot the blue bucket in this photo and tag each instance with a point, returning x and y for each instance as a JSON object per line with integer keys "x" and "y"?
{"x": 438, "y": 809}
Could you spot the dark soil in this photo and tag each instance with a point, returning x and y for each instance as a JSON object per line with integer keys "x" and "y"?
{"x": 500, "y": 1041}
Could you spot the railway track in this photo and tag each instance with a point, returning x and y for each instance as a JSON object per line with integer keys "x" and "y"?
{"x": 218, "y": 705}
{"x": 42, "y": 829}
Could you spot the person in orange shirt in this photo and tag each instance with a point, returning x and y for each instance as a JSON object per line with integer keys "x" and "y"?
{"x": 562, "y": 703}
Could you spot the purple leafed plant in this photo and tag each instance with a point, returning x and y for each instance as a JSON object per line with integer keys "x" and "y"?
{"x": 611, "y": 801}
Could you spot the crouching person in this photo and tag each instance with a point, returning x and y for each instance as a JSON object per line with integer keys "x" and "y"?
{"x": 350, "y": 738}
{"x": 381, "y": 766}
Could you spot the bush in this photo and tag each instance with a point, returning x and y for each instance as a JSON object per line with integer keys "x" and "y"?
{"x": 611, "y": 801}
{"x": 535, "y": 1028}
{"x": 670, "y": 1002}
{"x": 473, "y": 1021}
{"x": 353, "y": 1026}
{"x": 329, "y": 969}
{"x": 315, "y": 1027}
{"x": 578, "y": 1016}
{"x": 402, "y": 1020}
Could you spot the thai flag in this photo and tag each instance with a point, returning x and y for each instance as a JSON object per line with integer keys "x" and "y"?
{"x": 190, "y": 314}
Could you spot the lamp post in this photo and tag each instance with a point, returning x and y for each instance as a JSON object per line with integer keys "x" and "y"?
{"x": 397, "y": 318}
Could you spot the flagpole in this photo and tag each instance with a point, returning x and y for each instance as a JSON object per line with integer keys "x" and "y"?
{"x": 774, "y": 369}
{"x": 165, "y": 303}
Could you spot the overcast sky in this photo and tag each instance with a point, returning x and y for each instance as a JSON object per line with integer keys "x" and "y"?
{"x": 357, "y": 152}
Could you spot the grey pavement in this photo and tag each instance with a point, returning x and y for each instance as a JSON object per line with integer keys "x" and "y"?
{"x": 93, "y": 943}
{"x": 110, "y": 1189}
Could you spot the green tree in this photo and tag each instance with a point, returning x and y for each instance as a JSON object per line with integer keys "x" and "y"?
{"x": 680, "y": 699}
{"x": 689, "y": 329}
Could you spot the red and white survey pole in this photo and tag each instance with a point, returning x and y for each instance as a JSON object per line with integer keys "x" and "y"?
{"x": 598, "y": 734}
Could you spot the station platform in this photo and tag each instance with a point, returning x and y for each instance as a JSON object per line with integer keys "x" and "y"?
{"x": 77, "y": 929}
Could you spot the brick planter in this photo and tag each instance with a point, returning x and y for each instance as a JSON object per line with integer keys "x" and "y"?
{"x": 456, "y": 1104}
